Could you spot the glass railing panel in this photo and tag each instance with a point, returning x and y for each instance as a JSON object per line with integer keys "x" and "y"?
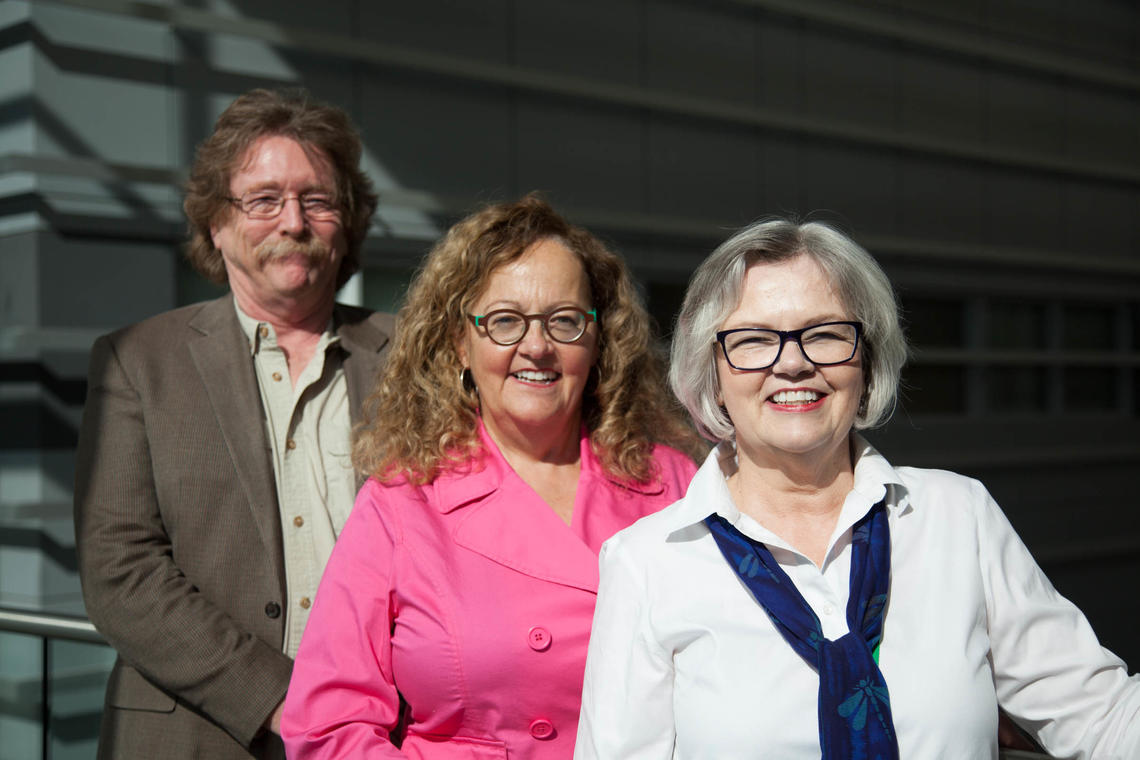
{"x": 21, "y": 691}
{"x": 78, "y": 678}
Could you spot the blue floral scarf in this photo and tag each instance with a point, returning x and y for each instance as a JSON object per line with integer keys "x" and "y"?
{"x": 855, "y": 720}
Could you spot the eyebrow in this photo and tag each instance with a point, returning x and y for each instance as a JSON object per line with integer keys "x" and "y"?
{"x": 818, "y": 320}
{"x": 276, "y": 187}
{"x": 515, "y": 305}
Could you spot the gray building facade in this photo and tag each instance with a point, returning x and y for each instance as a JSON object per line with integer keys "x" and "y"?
{"x": 986, "y": 151}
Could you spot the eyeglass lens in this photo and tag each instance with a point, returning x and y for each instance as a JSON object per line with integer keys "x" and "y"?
{"x": 506, "y": 326}
{"x": 821, "y": 344}
{"x": 267, "y": 204}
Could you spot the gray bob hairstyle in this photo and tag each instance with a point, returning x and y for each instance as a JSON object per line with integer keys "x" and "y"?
{"x": 714, "y": 293}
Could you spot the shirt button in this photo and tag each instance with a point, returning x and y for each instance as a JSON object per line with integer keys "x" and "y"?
{"x": 828, "y": 610}
{"x": 298, "y": 521}
{"x": 305, "y": 603}
{"x": 538, "y": 638}
{"x": 263, "y": 331}
{"x": 541, "y": 729}
{"x": 273, "y": 610}
{"x": 290, "y": 444}
{"x": 277, "y": 376}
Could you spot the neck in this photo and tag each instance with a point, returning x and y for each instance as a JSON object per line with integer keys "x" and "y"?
{"x": 298, "y": 325}
{"x": 806, "y": 487}
{"x": 536, "y": 444}
{"x": 292, "y": 318}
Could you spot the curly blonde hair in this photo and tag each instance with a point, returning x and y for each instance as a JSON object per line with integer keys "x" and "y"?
{"x": 421, "y": 418}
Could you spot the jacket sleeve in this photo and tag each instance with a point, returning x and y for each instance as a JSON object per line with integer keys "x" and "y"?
{"x": 135, "y": 592}
{"x": 343, "y": 700}
{"x": 627, "y": 696}
{"x": 1051, "y": 674}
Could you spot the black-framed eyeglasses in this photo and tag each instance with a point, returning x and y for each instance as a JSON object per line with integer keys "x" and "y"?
{"x": 507, "y": 326}
{"x": 755, "y": 348}
{"x": 267, "y": 204}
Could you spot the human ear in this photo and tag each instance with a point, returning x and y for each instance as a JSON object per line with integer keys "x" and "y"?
{"x": 460, "y": 345}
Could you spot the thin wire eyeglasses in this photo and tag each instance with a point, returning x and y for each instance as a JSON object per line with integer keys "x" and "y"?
{"x": 507, "y": 327}
{"x": 752, "y": 348}
{"x": 268, "y": 204}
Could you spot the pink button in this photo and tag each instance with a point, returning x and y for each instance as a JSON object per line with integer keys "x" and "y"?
{"x": 538, "y": 638}
{"x": 541, "y": 728}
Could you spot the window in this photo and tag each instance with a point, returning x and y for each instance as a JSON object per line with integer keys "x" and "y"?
{"x": 934, "y": 322}
{"x": 1013, "y": 390}
{"x": 1088, "y": 328}
{"x": 933, "y": 389}
{"x": 1002, "y": 355}
{"x": 1089, "y": 389}
{"x": 1018, "y": 325}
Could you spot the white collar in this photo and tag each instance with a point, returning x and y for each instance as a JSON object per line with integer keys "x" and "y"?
{"x": 875, "y": 480}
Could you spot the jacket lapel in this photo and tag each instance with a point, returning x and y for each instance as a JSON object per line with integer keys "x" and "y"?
{"x": 221, "y": 355}
{"x": 504, "y": 520}
{"x": 363, "y": 336}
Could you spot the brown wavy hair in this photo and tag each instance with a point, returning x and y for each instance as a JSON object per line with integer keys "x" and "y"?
{"x": 421, "y": 418}
{"x": 320, "y": 128}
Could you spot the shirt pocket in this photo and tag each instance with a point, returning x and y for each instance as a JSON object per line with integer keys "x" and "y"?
{"x": 340, "y": 480}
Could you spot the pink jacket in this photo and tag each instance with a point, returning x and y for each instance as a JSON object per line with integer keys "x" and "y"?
{"x": 471, "y": 599}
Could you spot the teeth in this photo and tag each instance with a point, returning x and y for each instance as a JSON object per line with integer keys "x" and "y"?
{"x": 795, "y": 397}
{"x": 536, "y": 376}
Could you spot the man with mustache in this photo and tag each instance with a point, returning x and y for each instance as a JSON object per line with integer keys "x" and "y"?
{"x": 214, "y": 471}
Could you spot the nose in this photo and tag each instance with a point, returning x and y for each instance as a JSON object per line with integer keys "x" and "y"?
{"x": 792, "y": 359}
{"x": 292, "y": 219}
{"x": 535, "y": 341}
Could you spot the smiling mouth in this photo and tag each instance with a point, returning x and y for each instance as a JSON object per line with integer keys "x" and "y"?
{"x": 795, "y": 398}
{"x": 536, "y": 376}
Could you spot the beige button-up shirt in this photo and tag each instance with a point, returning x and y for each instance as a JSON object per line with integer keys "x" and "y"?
{"x": 309, "y": 428}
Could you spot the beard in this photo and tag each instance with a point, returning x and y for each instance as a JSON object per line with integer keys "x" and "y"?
{"x": 314, "y": 250}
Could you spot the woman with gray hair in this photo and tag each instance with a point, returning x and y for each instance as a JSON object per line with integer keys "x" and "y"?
{"x": 805, "y": 598}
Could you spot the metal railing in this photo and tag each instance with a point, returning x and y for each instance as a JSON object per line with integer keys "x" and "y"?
{"x": 72, "y": 628}
{"x": 48, "y": 626}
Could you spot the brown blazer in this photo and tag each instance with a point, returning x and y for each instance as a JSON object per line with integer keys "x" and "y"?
{"x": 178, "y": 532}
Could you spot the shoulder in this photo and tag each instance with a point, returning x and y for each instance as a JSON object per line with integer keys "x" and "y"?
{"x": 359, "y": 318}
{"x": 366, "y": 335}
{"x": 161, "y": 344}
{"x": 389, "y": 506}
{"x": 667, "y": 456}
{"x": 944, "y": 505}
{"x": 683, "y": 518}
{"x": 674, "y": 468}
{"x": 648, "y": 538}
{"x": 653, "y": 552}
{"x": 378, "y": 492}
{"x": 169, "y": 325}
{"x": 924, "y": 484}
{"x": 383, "y": 321}
{"x": 917, "y": 487}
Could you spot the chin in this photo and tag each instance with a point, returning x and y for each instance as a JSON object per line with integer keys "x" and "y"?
{"x": 798, "y": 445}
{"x": 300, "y": 281}
{"x": 543, "y": 420}
{"x": 545, "y": 417}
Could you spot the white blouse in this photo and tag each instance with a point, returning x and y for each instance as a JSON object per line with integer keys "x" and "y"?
{"x": 684, "y": 663}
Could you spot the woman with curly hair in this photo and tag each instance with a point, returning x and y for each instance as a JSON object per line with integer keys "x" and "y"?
{"x": 521, "y": 421}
